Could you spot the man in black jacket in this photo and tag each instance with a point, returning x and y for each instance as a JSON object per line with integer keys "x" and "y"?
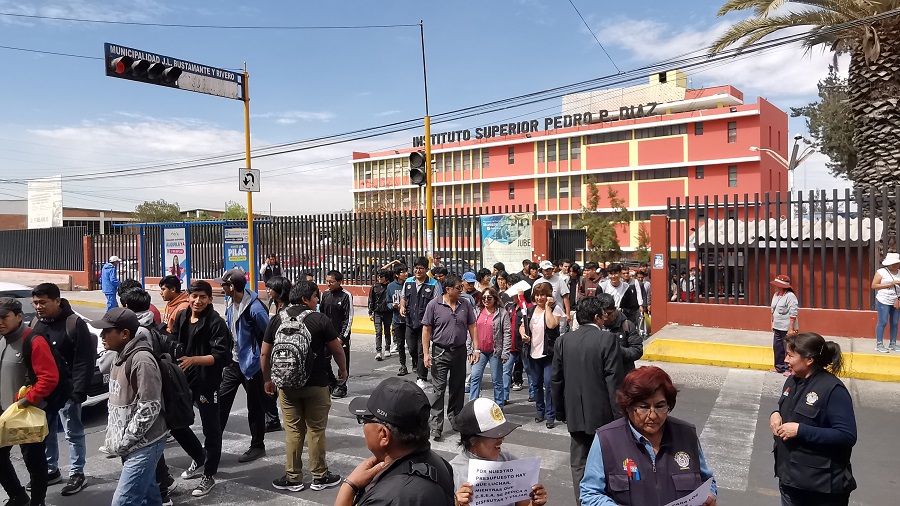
{"x": 69, "y": 334}
{"x": 584, "y": 392}
{"x": 381, "y": 314}
{"x": 203, "y": 350}
{"x": 631, "y": 345}
{"x": 337, "y": 305}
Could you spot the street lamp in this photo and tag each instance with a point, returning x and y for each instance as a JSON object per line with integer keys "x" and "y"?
{"x": 795, "y": 160}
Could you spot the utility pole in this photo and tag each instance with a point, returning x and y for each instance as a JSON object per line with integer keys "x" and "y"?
{"x": 429, "y": 208}
{"x": 251, "y": 254}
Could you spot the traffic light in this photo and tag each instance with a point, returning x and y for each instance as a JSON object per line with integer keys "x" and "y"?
{"x": 417, "y": 164}
{"x": 145, "y": 71}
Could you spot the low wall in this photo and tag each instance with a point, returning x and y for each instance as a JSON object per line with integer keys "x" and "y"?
{"x": 66, "y": 280}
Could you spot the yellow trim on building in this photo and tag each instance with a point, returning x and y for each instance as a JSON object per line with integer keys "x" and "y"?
{"x": 633, "y": 153}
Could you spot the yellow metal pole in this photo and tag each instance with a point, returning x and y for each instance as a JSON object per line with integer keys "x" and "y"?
{"x": 429, "y": 208}
{"x": 250, "y": 236}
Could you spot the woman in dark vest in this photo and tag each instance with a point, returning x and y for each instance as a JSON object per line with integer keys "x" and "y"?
{"x": 646, "y": 458}
{"x": 814, "y": 427}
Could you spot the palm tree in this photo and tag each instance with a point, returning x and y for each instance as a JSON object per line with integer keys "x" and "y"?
{"x": 874, "y": 75}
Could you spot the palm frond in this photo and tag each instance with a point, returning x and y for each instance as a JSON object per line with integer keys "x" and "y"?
{"x": 753, "y": 29}
{"x": 765, "y": 11}
{"x": 741, "y": 5}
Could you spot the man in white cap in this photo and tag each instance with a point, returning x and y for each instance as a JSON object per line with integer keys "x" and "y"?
{"x": 109, "y": 281}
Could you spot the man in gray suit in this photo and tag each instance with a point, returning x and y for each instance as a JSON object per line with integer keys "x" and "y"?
{"x": 586, "y": 371}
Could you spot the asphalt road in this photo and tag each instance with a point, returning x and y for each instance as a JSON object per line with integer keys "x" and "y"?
{"x": 729, "y": 406}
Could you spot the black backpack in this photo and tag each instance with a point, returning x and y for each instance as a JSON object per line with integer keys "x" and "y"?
{"x": 178, "y": 400}
{"x": 57, "y": 399}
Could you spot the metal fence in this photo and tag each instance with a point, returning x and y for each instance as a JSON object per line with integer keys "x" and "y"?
{"x": 59, "y": 249}
{"x": 355, "y": 243}
{"x": 123, "y": 245}
{"x": 830, "y": 243}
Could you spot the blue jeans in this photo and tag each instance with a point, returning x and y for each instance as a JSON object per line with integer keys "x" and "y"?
{"x": 540, "y": 377}
{"x": 137, "y": 483}
{"x": 886, "y": 313}
{"x": 507, "y": 374}
{"x": 496, "y": 377}
{"x": 71, "y": 419}
{"x": 111, "y": 301}
{"x": 528, "y": 365}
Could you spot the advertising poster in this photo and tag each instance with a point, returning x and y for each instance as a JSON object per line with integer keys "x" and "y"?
{"x": 505, "y": 238}
{"x": 45, "y": 202}
{"x": 237, "y": 249}
{"x": 176, "y": 260}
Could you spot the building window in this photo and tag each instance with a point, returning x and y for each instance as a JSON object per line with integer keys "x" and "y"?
{"x": 576, "y": 186}
{"x": 512, "y": 155}
{"x": 732, "y": 132}
{"x": 458, "y": 194}
{"x": 540, "y": 148}
{"x": 551, "y": 188}
{"x": 698, "y": 128}
{"x": 551, "y": 151}
{"x": 540, "y": 185}
{"x": 485, "y": 159}
{"x": 732, "y": 176}
{"x": 512, "y": 191}
{"x": 563, "y": 187}
{"x": 563, "y": 149}
{"x": 660, "y": 173}
{"x": 485, "y": 193}
{"x": 660, "y": 131}
{"x": 622, "y": 135}
{"x": 476, "y": 193}
{"x": 698, "y": 172}
{"x": 613, "y": 177}
{"x": 457, "y": 160}
{"x": 439, "y": 196}
{"x": 576, "y": 148}
{"x": 467, "y": 160}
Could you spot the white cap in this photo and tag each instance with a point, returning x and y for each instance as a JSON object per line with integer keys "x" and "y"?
{"x": 891, "y": 259}
{"x": 483, "y": 417}
{"x": 546, "y": 264}
{"x": 113, "y": 259}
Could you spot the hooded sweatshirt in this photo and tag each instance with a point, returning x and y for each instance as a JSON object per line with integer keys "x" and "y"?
{"x": 173, "y": 307}
{"x": 247, "y": 322}
{"x": 79, "y": 351}
{"x": 135, "y": 399}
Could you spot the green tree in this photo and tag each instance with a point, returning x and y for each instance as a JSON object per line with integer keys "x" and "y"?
{"x": 601, "y": 226}
{"x": 234, "y": 211}
{"x": 873, "y": 82}
{"x": 158, "y": 211}
{"x": 642, "y": 252}
{"x": 830, "y": 124}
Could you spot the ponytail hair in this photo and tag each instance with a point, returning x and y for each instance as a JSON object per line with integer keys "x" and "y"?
{"x": 825, "y": 354}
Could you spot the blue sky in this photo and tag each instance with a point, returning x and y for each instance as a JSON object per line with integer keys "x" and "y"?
{"x": 63, "y": 116}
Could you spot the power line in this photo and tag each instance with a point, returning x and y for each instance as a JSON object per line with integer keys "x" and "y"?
{"x": 11, "y": 48}
{"x": 215, "y": 27}
{"x": 595, "y": 36}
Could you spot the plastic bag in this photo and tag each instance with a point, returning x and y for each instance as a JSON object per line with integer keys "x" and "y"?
{"x": 20, "y": 425}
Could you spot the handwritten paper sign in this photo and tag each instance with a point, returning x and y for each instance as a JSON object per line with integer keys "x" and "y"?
{"x": 502, "y": 483}
{"x": 695, "y": 498}
{"x": 514, "y": 290}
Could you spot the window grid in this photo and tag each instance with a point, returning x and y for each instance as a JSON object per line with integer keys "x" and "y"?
{"x": 512, "y": 191}
{"x": 732, "y": 132}
{"x": 699, "y": 172}
{"x": 698, "y": 128}
{"x": 732, "y": 175}
{"x": 512, "y": 155}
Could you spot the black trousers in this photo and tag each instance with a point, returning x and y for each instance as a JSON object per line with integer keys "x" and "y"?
{"x": 579, "y": 446}
{"x": 331, "y": 375}
{"x": 399, "y": 332}
{"x": 791, "y": 496}
{"x": 232, "y": 378}
{"x": 208, "y": 406}
{"x": 448, "y": 372}
{"x": 416, "y": 353}
{"x": 35, "y": 462}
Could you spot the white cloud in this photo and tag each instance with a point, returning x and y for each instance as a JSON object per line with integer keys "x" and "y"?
{"x": 107, "y": 10}
{"x": 386, "y": 113}
{"x": 291, "y": 117}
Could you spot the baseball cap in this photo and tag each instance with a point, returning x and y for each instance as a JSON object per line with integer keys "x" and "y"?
{"x": 9, "y": 305}
{"x": 546, "y": 264}
{"x": 398, "y": 402}
{"x": 114, "y": 259}
{"x": 117, "y": 318}
{"x": 483, "y": 417}
{"x": 469, "y": 277}
{"x": 230, "y": 275}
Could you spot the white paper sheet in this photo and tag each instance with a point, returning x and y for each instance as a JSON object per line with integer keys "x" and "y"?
{"x": 695, "y": 498}
{"x": 502, "y": 483}
{"x": 513, "y": 291}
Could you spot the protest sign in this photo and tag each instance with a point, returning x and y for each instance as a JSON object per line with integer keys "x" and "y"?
{"x": 502, "y": 483}
{"x": 695, "y": 498}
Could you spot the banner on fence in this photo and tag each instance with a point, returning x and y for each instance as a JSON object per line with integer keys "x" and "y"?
{"x": 237, "y": 248}
{"x": 505, "y": 238}
{"x": 45, "y": 202}
{"x": 176, "y": 260}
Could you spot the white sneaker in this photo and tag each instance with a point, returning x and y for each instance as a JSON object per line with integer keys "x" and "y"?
{"x": 194, "y": 471}
{"x": 421, "y": 384}
{"x": 387, "y": 353}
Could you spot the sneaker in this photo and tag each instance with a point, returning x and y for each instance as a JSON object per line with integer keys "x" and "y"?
{"x": 19, "y": 500}
{"x": 74, "y": 485}
{"x": 880, "y": 348}
{"x": 894, "y": 348}
{"x": 283, "y": 484}
{"x": 378, "y": 357}
{"x": 436, "y": 435}
{"x": 340, "y": 392}
{"x": 170, "y": 439}
{"x": 252, "y": 454}
{"x": 402, "y": 371}
{"x": 274, "y": 427}
{"x": 105, "y": 451}
{"x": 168, "y": 485}
{"x": 194, "y": 471}
{"x": 327, "y": 481}
{"x": 52, "y": 479}
{"x": 167, "y": 501}
{"x": 387, "y": 353}
{"x": 421, "y": 384}
{"x": 517, "y": 386}
{"x": 206, "y": 485}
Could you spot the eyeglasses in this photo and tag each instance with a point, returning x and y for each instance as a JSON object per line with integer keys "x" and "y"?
{"x": 609, "y": 312}
{"x": 645, "y": 410}
{"x": 487, "y": 297}
{"x": 225, "y": 284}
{"x": 457, "y": 287}
{"x": 364, "y": 419}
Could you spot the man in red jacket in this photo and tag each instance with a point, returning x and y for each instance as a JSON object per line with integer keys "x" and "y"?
{"x": 35, "y": 367}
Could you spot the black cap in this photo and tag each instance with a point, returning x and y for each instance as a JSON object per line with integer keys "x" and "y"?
{"x": 9, "y": 305}
{"x": 398, "y": 402}
{"x": 117, "y": 318}
{"x": 231, "y": 275}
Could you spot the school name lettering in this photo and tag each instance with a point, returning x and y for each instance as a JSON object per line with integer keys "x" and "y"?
{"x": 529, "y": 126}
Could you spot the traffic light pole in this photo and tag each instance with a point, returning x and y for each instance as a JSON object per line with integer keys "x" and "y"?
{"x": 429, "y": 208}
{"x": 251, "y": 254}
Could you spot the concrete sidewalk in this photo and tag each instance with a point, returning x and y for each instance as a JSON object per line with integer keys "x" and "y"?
{"x": 753, "y": 350}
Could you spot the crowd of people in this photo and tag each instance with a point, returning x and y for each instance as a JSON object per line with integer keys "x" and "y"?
{"x": 571, "y": 333}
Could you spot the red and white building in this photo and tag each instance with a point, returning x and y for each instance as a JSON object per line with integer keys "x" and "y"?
{"x": 648, "y": 142}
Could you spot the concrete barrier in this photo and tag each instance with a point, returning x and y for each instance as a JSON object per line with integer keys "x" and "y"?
{"x": 63, "y": 280}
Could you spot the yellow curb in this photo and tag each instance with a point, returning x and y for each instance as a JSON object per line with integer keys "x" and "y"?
{"x": 865, "y": 366}
{"x": 86, "y": 303}
{"x": 362, "y": 325}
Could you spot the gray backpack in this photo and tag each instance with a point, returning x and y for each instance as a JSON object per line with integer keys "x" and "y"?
{"x": 291, "y": 354}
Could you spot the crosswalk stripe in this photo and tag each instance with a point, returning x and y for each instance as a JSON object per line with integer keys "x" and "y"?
{"x": 727, "y": 437}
